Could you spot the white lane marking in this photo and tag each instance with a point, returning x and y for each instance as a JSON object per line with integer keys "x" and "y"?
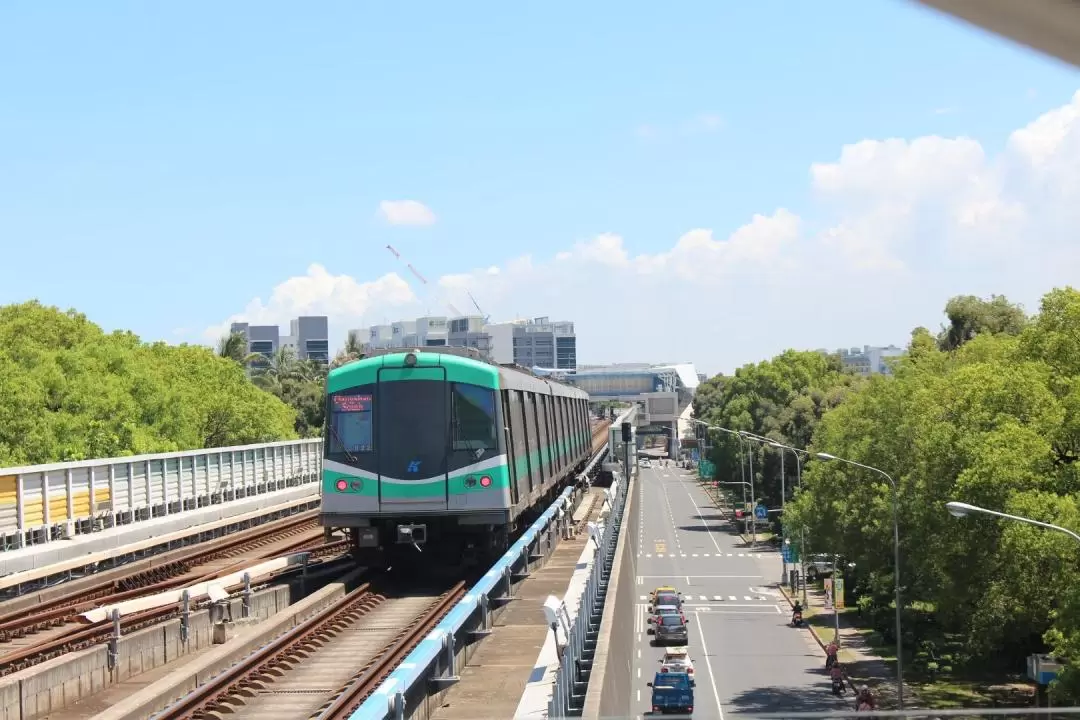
{"x": 708, "y": 666}
{"x": 639, "y": 673}
{"x": 648, "y": 555}
{"x": 778, "y": 610}
{"x": 639, "y": 700}
{"x": 684, "y": 554}
{"x": 639, "y": 653}
{"x": 732, "y": 597}
{"x": 747, "y": 597}
{"x": 644, "y": 597}
{"x": 711, "y": 537}
{"x": 717, "y": 597}
{"x": 659, "y": 555}
{"x": 695, "y": 555}
{"x": 730, "y": 555}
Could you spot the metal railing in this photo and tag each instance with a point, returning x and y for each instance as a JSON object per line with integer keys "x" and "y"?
{"x": 43, "y": 503}
{"x": 576, "y": 658}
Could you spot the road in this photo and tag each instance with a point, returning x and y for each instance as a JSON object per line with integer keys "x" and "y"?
{"x": 746, "y": 657}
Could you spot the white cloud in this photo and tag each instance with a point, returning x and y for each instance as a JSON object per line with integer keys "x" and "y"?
{"x": 895, "y": 228}
{"x": 406, "y": 212}
{"x": 343, "y": 299}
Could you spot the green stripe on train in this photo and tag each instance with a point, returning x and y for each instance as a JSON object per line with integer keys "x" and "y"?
{"x": 458, "y": 369}
{"x": 500, "y": 477}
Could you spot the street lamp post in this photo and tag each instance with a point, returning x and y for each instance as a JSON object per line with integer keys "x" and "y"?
{"x": 960, "y": 509}
{"x": 896, "y": 571}
{"x": 741, "y": 439}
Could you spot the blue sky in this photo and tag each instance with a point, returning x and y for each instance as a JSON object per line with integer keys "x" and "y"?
{"x": 161, "y": 166}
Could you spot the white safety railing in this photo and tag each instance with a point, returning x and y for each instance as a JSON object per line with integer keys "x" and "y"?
{"x": 575, "y": 661}
{"x": 43, "y": 503}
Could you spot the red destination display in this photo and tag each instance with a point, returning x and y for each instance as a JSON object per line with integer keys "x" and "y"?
{"x": 352, "y": 403}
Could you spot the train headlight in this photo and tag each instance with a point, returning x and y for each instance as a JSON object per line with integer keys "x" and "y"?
{"x": 410, "y": 360}
{"x": 485, "y": 481}
{"x": 342, "y": 485}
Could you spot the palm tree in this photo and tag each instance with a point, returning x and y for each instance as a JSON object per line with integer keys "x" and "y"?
{"x": 234, "y": 347}
{"x": 353, "y": 350}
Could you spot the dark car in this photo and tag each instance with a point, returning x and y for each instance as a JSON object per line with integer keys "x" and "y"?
{"x": 671, "y": 630}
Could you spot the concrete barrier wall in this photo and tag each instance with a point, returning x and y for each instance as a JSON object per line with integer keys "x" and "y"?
{"x": 612, "y": 683}
{"x": 60, "y": 682}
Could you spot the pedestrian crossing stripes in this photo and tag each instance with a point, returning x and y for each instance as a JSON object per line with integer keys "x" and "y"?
{"x": 719, "y": 598}
{"x": 701, "y": 554}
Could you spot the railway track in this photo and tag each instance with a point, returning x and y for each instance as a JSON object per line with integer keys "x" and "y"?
{"x": 325, "y": 667}
{"x": 55, "y": 627}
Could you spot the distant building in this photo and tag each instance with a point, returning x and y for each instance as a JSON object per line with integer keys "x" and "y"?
{"x": 528, "y": 343}
{"x": 309, "y": 337}
{"x": 546, "y": 344}
{"x": 867, "y": 361}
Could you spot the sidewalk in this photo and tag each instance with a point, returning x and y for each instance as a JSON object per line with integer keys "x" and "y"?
{"x": 861, "y": 665}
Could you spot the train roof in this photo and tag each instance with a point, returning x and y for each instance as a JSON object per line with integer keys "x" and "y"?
{"x": 465, "y": 359}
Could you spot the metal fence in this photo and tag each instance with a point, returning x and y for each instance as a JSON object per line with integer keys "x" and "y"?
{"x": 42, "y": 503}
{"x": 575, "y": 660}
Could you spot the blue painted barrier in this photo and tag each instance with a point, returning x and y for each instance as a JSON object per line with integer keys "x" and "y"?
{"x": 434, "y": 654}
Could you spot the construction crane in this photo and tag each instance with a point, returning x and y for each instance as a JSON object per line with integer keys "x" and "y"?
{"x": 477, "y": 306}
{"x": 424, "y": 281}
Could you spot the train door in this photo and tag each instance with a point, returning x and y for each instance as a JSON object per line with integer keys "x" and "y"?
{"x": 412, "y": 430}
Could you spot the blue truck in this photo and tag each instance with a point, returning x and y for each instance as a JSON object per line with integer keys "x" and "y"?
{"x": 672, "y": 692}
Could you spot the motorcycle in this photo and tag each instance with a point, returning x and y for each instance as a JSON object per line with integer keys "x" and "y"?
{"x": 796, "y": 619}
{"x": 838, "y": 686}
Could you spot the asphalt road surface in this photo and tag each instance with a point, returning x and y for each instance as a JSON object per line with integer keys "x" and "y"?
{"x": 746, "y": 658}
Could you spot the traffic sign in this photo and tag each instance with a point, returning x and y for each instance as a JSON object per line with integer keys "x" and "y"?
{"x": 761, "y": 512}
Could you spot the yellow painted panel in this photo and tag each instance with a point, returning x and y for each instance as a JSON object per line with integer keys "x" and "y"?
{"x": 58, "y": 506}
{"x": 7, "y": 489}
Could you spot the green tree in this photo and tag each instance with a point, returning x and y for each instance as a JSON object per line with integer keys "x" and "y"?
{"x": 969, "y": 316}
{"x": 69, "y": 391}
{"x": 783, "y": 399}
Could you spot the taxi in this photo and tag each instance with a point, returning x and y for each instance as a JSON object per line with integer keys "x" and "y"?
{"x": 661, "y": 589}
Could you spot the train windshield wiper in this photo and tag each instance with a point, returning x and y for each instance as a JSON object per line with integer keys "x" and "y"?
{"x": 348, "y": 455}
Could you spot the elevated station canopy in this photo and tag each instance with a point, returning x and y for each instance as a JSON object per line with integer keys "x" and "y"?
{"x": 628, "y": 381}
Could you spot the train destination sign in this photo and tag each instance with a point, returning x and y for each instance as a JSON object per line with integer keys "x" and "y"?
{"x": 352, "y": 403}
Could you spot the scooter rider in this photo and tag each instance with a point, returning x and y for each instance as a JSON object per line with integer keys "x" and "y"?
{"x": 796, "y": 611}
{"x": 865, "y": 700}
{"x": 837, "y": 676}
{"x": 831, "y": 651}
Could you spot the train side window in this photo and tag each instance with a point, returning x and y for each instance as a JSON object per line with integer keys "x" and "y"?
{"x": 473, "y": 417}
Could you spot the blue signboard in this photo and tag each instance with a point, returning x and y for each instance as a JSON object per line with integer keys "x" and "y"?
{"x": 785, "y": 552}
{"x": 761, "y": 512}
{"x": 695, "y": 455}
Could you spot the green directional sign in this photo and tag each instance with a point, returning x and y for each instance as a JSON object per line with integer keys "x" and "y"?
{"x": 706, "y": 468}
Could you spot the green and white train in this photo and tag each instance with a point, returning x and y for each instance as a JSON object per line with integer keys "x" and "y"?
{"x": 434, "y": 451}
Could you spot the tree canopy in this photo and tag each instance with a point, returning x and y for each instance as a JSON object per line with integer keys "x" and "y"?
{"x": 70, "y": 391}
{"x": 986, "y": 413}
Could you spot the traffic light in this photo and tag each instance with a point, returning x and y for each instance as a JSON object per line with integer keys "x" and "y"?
{"x": 626, "y": 432}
